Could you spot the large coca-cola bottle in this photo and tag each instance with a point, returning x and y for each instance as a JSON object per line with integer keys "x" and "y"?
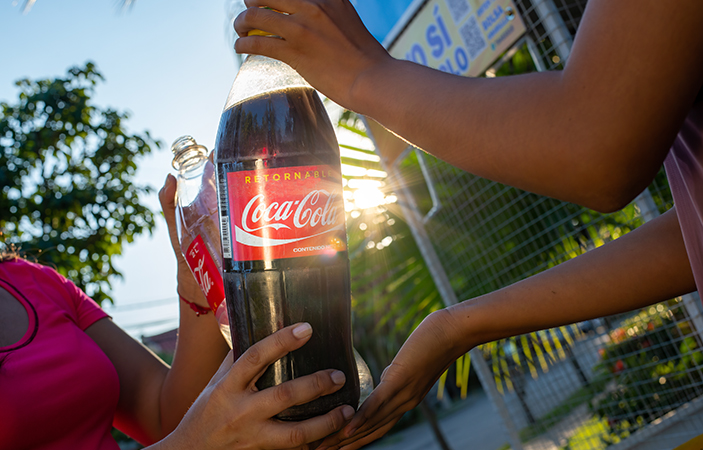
{"x": 197, "y": 223}
{"x": 283, "y": 227}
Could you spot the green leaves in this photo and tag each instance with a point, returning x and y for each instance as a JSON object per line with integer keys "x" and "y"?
{"x": 68, "y": 194}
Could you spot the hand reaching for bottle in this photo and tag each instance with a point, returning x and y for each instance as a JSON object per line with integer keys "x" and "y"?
{"x": 427, "y": 353}
{"x": 231, "y": 413}
{"x": 324, "y": 40}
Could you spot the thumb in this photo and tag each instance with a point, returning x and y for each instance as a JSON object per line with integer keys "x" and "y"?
{"x": 167, "y": 198}
{"x": 224, "y": 368}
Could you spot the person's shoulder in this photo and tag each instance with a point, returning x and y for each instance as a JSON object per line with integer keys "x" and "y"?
{"x": 19, "y": 266}
{"x": 22, "y": 271}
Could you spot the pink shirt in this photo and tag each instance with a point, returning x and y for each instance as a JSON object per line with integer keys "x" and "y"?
{"x": 684, "y": 168}
{"x": 58, "y": 390}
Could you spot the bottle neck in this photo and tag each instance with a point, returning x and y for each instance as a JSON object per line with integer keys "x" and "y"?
{"x": 190, "y": 162}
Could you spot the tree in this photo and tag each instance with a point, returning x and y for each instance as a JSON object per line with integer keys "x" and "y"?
{"x": 68, "y": 193}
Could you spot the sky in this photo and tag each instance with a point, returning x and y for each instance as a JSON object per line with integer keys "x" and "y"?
{"x": 171, "y": 65}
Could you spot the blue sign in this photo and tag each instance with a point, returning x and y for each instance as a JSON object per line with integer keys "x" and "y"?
{"x": 380, "y": 16}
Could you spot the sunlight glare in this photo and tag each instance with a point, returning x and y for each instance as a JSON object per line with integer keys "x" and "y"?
{"x": 349, "y": 153}
{"x": 353, "y": 171}
{"x": 368, "y": 197}
{"x": 364, "y": 184}
{"x": 376, "y": 173}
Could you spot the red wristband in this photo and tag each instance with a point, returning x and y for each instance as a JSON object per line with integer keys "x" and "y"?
{"x": 199, "y": 310}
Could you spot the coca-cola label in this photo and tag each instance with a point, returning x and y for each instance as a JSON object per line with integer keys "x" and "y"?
{"x": 206, "y": 273}
{"x": 286, "y": 212}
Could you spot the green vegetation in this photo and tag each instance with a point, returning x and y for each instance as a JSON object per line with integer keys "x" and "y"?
{"x": 592, "y": 435}
{"x": 67, "y": 179}
{"x": 655, "y": 362}
{"x": 578, "y": 398}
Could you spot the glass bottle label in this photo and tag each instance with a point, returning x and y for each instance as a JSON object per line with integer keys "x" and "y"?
{"x": 286, "y": 212}
{"x": 206, "y": 272}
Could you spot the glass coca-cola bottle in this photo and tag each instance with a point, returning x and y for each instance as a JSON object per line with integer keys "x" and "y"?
{"x": 283, "y": 226}
{"x": 197, "y": 223}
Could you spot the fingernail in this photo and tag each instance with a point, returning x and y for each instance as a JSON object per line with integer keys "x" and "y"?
{"x": 348, "y": 412}
{"x": 302, "y": 331}
{"x": 338, "y": 377}
{"x": 351, "y": 432}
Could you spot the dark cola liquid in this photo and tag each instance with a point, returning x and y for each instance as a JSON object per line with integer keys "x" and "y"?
{"x": 287, "y": 129}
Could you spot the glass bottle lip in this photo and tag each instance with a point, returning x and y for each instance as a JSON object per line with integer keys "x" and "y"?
{"x": 187, "y": 153}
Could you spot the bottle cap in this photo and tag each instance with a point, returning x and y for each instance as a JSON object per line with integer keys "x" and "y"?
{"x": 257, "y": 32}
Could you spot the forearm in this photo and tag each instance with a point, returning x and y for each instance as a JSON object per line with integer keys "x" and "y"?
{"x": 541, "y": 132}
{"x": 154, "y": 398}
{"x": 643, "y": 267}
{"x": 512, "y": 130}
{"x": 200, "y": 350}
{"x": 594, "y": 134}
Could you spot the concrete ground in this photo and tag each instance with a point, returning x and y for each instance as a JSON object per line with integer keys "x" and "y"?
{"x": 476, "y": 426}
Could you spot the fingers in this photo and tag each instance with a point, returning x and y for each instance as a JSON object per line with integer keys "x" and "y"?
{"x": 301, "y": 390}
{"x": 288, "y": 6}
{"x": 297, "y": 434}
{"x": 368, "y": 439}
{"x": 368, "y": 409}
{"x": 360, "y": 437}
{"x": 261, "y": 19}
{"x": 224, "y": 368}
{"x": 381, "y": 410}
{"x": 272, "y": 23}
{"x": 167, "y": 198}
{"x": 259, "y": 356}
{"x": 167, "y": 194}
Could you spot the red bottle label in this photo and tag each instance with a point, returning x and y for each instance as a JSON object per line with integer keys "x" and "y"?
{"x": 206, "y": 272}
{"x": 286, "y": 212}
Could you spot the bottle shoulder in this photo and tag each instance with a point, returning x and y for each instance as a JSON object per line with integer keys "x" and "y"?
{"x": 259, "y": 75}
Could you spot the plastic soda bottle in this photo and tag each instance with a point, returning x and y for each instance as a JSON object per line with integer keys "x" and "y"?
{"x": 283, "y": 231}
{"x": 197, "y": 223}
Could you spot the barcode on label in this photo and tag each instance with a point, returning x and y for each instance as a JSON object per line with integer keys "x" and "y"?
{"x": 224, "y": 218}
{"x": 222, "y": 191}
{"x": 226, "y": 243}
{"x": 458, "y": 9}
{"x": 472, "y": 37}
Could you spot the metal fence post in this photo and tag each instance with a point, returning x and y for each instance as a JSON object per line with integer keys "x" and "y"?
{"x": 534, "y": 53}
{"x": 555, "y": 27}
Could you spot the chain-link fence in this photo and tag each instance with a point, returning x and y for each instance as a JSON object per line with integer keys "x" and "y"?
{"x": 628, "y": 381}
